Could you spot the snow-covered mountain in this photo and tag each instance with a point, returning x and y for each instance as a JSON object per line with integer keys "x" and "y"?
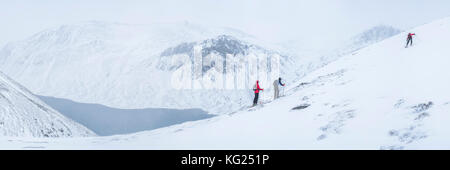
{"x": 384, "y": 96}
{"x": 24, "y": 115}
{"x": 142, "y": 66}
{"x": 126, "y": 66}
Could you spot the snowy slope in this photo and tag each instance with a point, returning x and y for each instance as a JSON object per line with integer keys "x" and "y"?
{"x": 381, "y": 97}
{"x": 24, "y": 115}
{"x": 312, "y": 58}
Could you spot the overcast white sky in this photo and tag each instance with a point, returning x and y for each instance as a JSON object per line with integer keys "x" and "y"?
{"x": 272, "y": 20}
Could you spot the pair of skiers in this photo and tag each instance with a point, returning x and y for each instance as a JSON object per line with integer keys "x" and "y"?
{"x": 409, "y": 39}
{"x": 257, "y": 89}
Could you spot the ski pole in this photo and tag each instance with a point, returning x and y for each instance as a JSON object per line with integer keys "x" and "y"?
{"x": 260, "y": 97}
{"x": 262, "y": 101}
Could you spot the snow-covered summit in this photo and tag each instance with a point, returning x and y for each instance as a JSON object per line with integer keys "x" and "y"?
{"x": 368, "y": 37}
{"x": 220, "y": 46}
{"x": 223, "y": 44}
{"x": 375, "y": 34}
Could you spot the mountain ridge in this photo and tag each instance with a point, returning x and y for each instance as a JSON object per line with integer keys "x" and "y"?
{"x": 24, "y": 115}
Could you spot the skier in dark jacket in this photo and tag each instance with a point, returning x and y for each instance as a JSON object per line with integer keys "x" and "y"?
{"x": 256, "y": 89}
{"x": 277, "y": 83}
{"x": 409, "y": 39}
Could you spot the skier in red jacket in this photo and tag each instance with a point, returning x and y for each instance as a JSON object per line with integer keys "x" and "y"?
{"x": 256, "y": 88}
{"x": 409, "y": 39}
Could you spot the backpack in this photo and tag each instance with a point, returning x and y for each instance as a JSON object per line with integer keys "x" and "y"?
{"x": 254, "y": 87}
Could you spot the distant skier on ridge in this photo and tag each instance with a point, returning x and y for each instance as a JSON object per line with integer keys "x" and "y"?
{"x": 256, "y": 89}
{"x": 409, "y": 39}
{"x": 276, "y": 83}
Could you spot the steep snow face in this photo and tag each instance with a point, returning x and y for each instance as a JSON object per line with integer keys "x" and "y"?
{"x": 24, "y": 115}
{"x": 384, "y": 96}
{"x": 124, "y": 66}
